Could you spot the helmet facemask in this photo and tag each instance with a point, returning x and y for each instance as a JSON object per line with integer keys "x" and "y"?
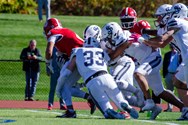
{"x": 127, "y": 23}
{"x": 161, "y": 20}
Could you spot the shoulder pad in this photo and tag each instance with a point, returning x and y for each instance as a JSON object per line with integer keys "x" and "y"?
{"x": 143, "y": 24}
{"x": 172, "y": 23}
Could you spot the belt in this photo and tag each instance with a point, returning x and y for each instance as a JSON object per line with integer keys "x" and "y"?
{"x": 99, "y": 73}
{"x": 134, "y": 59}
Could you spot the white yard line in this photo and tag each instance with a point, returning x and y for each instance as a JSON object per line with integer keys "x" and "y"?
{"x": 95, "y": 116}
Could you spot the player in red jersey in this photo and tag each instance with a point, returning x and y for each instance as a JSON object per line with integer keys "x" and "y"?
{"x": 64, "y": 40}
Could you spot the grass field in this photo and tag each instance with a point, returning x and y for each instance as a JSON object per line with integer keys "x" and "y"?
{"x": 15, "y": 32}
{"x": 44, "y": 117}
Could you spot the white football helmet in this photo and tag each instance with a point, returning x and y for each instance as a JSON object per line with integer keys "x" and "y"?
{"x": 92, "y": 31}
{"x": 162, "y": 14}
{"x": 179, "y": 10}
{"x": 112, "y": 33}
{"x": 91, "y": 42}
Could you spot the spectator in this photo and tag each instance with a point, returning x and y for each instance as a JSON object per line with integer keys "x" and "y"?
{"x": 31, "y": 57}
{"x": 172, "y": 60}
{"x": 46, "y": 5}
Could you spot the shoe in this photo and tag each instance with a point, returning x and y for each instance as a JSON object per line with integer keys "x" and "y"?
{"x": 111, "y": 114}
{"x": 62, "y": 107}
{"x": 49, "y": 108}
{"x": 141, "y": 111}
{"x": 133, "y": 113}
{"x": 168, "y": 110}
{"x": 91, "y": 105}
{"x": 148, "y": 105}
{"x": 31, "y": 99}
{"x": 126, "y": 114}
{"x": 140, "y": 97}
{"x": 155, "y": 112}
{"x": 26, "y": 99}
{"x": 67, "y": 114}
{"x": 184, "y": 115}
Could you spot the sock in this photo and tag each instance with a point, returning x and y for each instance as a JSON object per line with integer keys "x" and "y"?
{"x": 86, "y": 96}
{"x": 124, "y": 85}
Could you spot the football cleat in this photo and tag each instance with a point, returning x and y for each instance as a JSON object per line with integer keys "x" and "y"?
{"x": 149, "y": 104}
{"x": 184, "y": 115}
{"x": 133, "y": 113}
{"x": 111, "y": 114}
{"x": 155, "y": 112}
{"x": 67, "y": 114}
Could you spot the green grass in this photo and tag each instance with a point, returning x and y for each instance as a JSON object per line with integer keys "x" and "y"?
{"x": 44, "y": 117}
{"x": 16, "y": 30}
{"x": 15, "y": 33}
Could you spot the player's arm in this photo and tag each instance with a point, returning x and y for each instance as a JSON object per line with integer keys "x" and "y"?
{"x": 119, "y": 49}
{"x": 160, "y": 41}
{"x": 152, "y": 32}
{"x": 49, "y": 50}
{"x": 48, "y": 55}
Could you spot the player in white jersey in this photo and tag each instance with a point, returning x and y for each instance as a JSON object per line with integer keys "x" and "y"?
{"x": 91, "y": 64}
{"x": 122, "y": 67}
{"x": 148, "y": 72}
{"x": 177, "y": 28}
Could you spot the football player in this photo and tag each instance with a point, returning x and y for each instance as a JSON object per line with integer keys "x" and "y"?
{"x": 176, "y": 28}
{"x": 64, "y": 40}
{"x": 149, "y": 59}
{"x": 91, "y": 64}
{"x": 122, "y": 67}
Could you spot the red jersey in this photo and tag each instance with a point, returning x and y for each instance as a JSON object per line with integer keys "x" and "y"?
{"x": 138, "y": 26}
{"x": 65, "y": 40}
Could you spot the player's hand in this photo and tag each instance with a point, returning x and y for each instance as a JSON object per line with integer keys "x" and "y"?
{"x": 146, "y": 37}
{"x": 134, "y": 38}
{"x": 62, "y": 58}
{"x": 49, "y": 65}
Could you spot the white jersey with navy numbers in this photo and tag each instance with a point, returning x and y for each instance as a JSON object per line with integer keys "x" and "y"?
{"x": 137, "y": 50}
{"x": 181, "y": 36}
{"x": 161, "y": 31}
{"x": 90, "y": 60}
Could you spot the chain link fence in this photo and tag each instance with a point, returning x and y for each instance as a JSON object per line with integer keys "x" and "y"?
{"x": 12, "y": 81}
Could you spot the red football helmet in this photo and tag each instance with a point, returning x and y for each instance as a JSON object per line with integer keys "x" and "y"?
{"x": 50, "y": 24}
{"x": 128, "y": 17}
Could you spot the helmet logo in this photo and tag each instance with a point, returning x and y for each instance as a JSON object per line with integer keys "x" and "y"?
{"x": 109, "y": 29}
{"x": 177, "y": 9}
{"x": 168, "y": 9}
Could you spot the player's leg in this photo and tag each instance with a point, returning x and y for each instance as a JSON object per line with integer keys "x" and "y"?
{"x": 115, "y": 94}
{"x": 180, "y": 84}
{"x": 169, "y": 86}
{"x": 77, "y": 92}
{"x": 150, "y": 65}
{"x": 123, "y": 75}
{"x": 63, "y": 90}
